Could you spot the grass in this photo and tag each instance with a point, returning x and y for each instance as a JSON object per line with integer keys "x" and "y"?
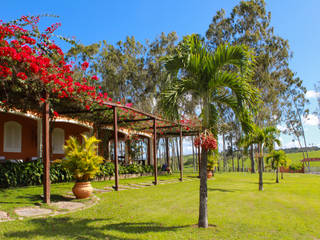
{"x": 236, "y": 210}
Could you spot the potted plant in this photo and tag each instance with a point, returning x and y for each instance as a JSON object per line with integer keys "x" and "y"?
{"x": 83, "y": 163}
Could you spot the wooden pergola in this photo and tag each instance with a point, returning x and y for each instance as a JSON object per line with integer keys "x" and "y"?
{"x": 122, "y": 116}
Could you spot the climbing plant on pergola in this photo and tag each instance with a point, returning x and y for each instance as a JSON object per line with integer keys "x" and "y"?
{"x": 34, "y": 77}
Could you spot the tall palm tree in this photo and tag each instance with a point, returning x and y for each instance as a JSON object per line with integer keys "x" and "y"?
{"x": 264, "y": 138}
{"x": 219, "y": 78}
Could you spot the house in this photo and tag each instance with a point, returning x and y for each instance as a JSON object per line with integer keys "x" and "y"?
{"x": 21, "y": 137}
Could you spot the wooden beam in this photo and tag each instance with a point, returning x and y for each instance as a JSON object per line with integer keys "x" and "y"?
{"x": 115, "y": 151}
{"x": 46, "y": 150}
{"x": 155, "y": 164}
{"x": 181, "y": 155}
{"x": 129, "y": 120}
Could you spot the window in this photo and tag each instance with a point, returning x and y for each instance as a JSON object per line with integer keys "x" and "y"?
{"x": 57, "y": 141}
{"x": 12, "y": 137}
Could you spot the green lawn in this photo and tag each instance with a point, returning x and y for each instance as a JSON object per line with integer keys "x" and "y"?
{"x": 289, "y": 210}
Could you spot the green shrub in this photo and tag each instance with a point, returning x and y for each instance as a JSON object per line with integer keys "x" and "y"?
{"x": 296, "y": 166}
{"x": 30, "y": 173}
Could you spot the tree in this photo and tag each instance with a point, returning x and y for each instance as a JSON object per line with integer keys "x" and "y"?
{"x": 264, "y": 138}
{"x": 277, "y": 159}
{"x": 249, "y": 23}
{"x": 194, "y": 70}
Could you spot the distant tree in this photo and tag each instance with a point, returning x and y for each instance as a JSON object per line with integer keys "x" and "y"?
{"x": 264, "y": 138}
{"x": 277, "y": 159}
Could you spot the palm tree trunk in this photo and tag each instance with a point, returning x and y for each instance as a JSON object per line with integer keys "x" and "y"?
{"x": 260, "y": 168}
{"x": 203, "y": 211}
{"x": 277, "y": 179}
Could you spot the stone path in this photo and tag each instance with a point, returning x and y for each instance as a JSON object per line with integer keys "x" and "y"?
{"x": 4, "y": 216}
{"x": 63, "y": 207}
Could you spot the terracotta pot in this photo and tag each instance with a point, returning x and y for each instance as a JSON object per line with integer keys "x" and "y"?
{"x": 209, "y": 174}
{"x": 82, "y": 190}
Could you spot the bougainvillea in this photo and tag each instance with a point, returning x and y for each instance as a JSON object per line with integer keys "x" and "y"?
{"x": 32, "y": 59}
{"x": 206, "y": 140}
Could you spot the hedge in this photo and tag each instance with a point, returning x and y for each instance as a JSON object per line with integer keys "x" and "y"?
{"x": 31, "y": 173}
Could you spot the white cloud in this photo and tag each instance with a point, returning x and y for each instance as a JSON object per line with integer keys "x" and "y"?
{"x": 311, "y": 120}
{"x": 281, "y": 127}
{"x": 312, "y": 94}
{"x": 291, "y": 144}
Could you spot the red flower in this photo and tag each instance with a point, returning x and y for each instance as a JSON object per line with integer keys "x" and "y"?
{"x": 94, "y": 78}
{"x": 42, "y": 100}
{"x": 55, "y": 113}
{"x": 22, "y": 75}
{"x": 84, "y": 65}
{"x": 87, "y": 107}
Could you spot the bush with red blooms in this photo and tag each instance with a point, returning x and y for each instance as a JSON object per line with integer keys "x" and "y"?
{"x": 206, "y": 140}
{"x": 31, "y": 61}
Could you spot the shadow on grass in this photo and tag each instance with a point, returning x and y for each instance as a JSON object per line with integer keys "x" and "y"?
{"x": 70, "y": 228}
{"x": 264, "y": 183}
{"x": 220, "y": 190}
{"x": 35, "y": 198}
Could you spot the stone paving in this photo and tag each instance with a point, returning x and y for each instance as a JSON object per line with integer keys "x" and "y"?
{"x": 62, "y": 207}
{"x": 32, "y": 211}
{"x": 4, "y": 216}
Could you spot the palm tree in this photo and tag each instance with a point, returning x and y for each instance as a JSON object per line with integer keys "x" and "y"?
{"x": 264, "y": 138}
{"x": 278, "y": 159}
{"x": 219, "y": 78}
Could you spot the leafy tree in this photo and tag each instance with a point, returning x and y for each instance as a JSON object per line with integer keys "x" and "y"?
{"x": 194, "y": 70}
{"x": 249, "y": 23}
{"x": 277, "y": 159}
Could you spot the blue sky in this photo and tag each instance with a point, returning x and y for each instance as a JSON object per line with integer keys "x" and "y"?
{"x": 95, "y": 20}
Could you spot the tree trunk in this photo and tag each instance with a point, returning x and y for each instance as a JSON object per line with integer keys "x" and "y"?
{"x": 277, "y": 178}
{"x": 281, "y": 175}
{"x": 203, "y": 216}
{"x": 233, "y": 168}
{"x": 252, "y": 160}
{"x": 260, "y": 167}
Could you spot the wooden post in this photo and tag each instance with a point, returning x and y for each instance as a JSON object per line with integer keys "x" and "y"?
{"x": 155, "y": 165}
{"x": 149, "y": 151}
{"x": 167, "y": 152}
{"x": 181, "y": 156}
{"x": 46, "y": 150}
{"x": 115, "y": 151}
{"x": 199, "y": 156}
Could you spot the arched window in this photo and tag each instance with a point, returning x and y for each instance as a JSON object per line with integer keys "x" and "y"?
{"x": 12, "y": 137}
{"x": 57, "y": 141}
